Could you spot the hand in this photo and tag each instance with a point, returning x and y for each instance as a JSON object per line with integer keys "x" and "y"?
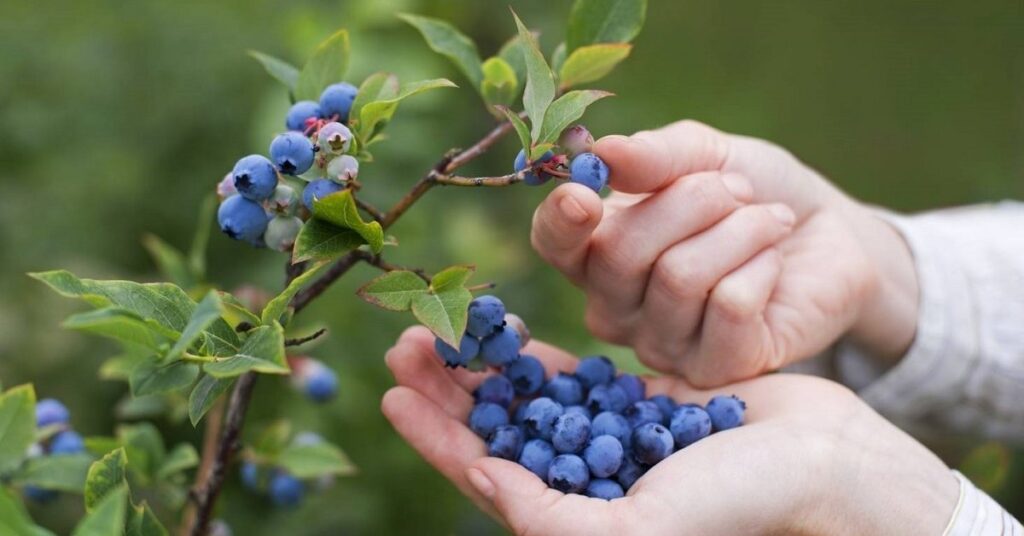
{"x": 812, "y": 458}
{"x": 720, "y": 257}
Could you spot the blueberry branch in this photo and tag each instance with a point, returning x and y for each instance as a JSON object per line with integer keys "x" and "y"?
{"x": 379, "y": 262}
{"x": 299, "y": 341}
{"x": 369, "y": 209}
{"x": 455, "y": 180}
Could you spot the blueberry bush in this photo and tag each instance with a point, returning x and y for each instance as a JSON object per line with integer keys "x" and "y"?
{"x": 190, "y": 350}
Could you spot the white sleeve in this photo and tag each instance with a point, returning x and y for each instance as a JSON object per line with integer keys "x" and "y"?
{"x": 976, "y": 514}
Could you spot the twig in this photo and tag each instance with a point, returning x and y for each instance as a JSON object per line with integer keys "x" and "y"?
{"x": 455, "y": 180}
{"x": 480, "y": 147}
{"x": 373, "y": 211}
{"x": 211, "y": 433}
{"x": 379, "y": 262}
{"x": 299, "y": 341}
{"x": 482, "y": 286}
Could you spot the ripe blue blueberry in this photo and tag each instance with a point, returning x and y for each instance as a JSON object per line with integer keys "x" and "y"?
{"x": 634, "y": 387}
{"x": 334, "y": 138}
{"x": 526, "y": 375}
{"x": 532, "y": 178}
{"x": 337, "y": 100}
{"x": 568, "y": 473}
{"x": 582, "y": 410}
{"x": 666, "y": 405}
{"x": 67, "y": 442}
{"x": 570, "y": 433}
{"x": 726, "y": 412}
{"x": 651, "y": 443}
{"x": 255, "y": 177}
{"x": 486, "y": 417}
{"x": 613, "y": 424}
{"x": 299, "y": 113}
{"x": 496, "y": 389}
{"x": 39, "y": 495}
{"x": 242, "y": 219}
{"x": 540, "y": 417}
{"x": 343, "y": 168}
{"x": 505, "y": 442}
{"x": 285, "y": 490}
{"x": 642, "y": 412}
{"x": 689, "y": 424}
{"x": 564, "y": 389}
{"x": 319, "y": 189}
{"x": 604, "y": 456}
{"x": 468, "y": 350}
{"x": 519, "y": 414}
{"x": 630, "y": 472}
{"x": 589, "y": 170}
{"x": 486, "y": 314}
{"x": 603, "y": 488}
{"x": 250, "y": 474}
{"x": 500, "y": 348}
{"x": 292, "y": 153}
{"x": 595, "y": 370}
{"x": 536, "y": 457}
{"x": 281, "y": 232}
{"x": 321, "y": 382}
{"x": 606, "y": 397}
{"x": 51, "y": 411}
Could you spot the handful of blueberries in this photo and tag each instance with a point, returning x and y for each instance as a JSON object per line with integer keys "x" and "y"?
{"x": 593, "y": 432}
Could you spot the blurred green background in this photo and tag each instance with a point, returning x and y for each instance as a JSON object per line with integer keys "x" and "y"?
{"x": 118, "y": 117}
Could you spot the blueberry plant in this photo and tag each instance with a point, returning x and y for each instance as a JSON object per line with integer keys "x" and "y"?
{"x": 191, "y": 350}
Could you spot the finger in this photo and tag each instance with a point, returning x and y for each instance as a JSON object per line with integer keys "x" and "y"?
{"x": 685, "y": 274}
{"x": 562, "y": 226}
{"x": 649, "y": 160}
{"x": 415, "y": 365}
{"x": 529, "y": 506}
{"x": 735, "y": 341}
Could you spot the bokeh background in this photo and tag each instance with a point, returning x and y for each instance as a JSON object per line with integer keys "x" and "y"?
{"x": 118, "y": 117}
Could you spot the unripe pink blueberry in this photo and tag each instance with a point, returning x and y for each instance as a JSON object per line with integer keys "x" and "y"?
{"x": 226, "y": 187}
{"x": 576, "y": 139}
{"x": 343, "y": 168}
{"x": 281, "y": 232}
{"x": 284, "y": 201}
{"x": 334, "y": 138}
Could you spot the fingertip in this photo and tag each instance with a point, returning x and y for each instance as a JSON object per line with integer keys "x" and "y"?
{"x": 577, "y": 204}
{"x": 564, "y": 221}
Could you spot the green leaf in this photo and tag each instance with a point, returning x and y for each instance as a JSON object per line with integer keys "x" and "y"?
{"x": 444, "y": 39}
{"x": 512, "y": 53}
{"x": 121, "y": 325}
{"x": 281, "y": 70}
{"x": 540, "y": 82}
{"x": 444, "y": 313}
{"x": 14, "y": 520}
{"x": 340, "y": 209}
{"x": 171, "y": 262}
{"x": 327, "y": 66}
{"x": 567, "y": 109}
{"x": 604, "y": 21}
{"x": 64, "y": 472}
{"x": 143, "y": 522}
{"x": 107, "y": 517}
{"x": 204, "y": 395}
{"x": 197, "y": 252}
{"x": 208, "y": 311}
{"x": 277, "y": 306}
{"x": 539, "y": 149}
{"x": 321, "y": 241}
{"x": 558, "y": 57}
{"x": 520, "y": 127}
{"x": 262, "y": 351}
{"x": 310, "y": 461}
{"x": 105, "y": 476}
{"x": 592, "y": 62}
{"x": 153, "y": 377}
{"x": 500, "y": 84}
{"x": 235, "y": 311}
{"x": 120, "y": 366}
{"x": 393, "y": 291}
{"x": 273, "y": 439}
{"x": 17, "y": 425}
{"x": 182, "y": 457}
{"x": 374, "y": 115}
{"x": 451, "y": 278}
{"x": 377, "y": 86}
{"x": 144, "y": 448}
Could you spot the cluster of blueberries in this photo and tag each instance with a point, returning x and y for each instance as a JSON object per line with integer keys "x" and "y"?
{"x": 313, "y": 378}
{"x": 283, "y": 488}
{"x": 593, "y": 432}
{"x": 257, "y": 205}
{"x": 584, "y": 167}
{"x": 50, "y": 412}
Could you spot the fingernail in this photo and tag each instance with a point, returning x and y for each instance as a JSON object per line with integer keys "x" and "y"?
{"x": 572, "y": 210}
{"x": 739, "y": 187}
{"x": 480, "y": 481}
{"x": 782, "y": 213}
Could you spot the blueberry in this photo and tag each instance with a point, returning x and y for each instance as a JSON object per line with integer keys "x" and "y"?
{"x": 633, "y": 386}
{"x": 589, "y": 170}
{"x": 570, "y": 433}
{"x": 51, "y": 411}
{"x": 603, "y": 488}
{"x": 526, "y": 374}
{"x": 486, "y": 314}
{"x": 540, "y": 417}
{"x": 285, "y": 490}
{"x": 519, "y": 414}
{"x": 505, "y": 442}
{"x": 486, "y": 417}
{"x": 513, "y": 321}
{"x": 226, "y": 187}
{"x": 576, "y": 139}
{"x": 532, "y": 178}
{"x": 536, "y": 457}
{"x": 337, "y": 100}
{"x": 726, "y": 412}
{"x": 642, "y": 412}
{"x": 604, "y": 455}
{"x": 582, "y": 410}
{"x": 565, "y": 389}
{"x": 630, "y": 472}
{"x": 651, "y": 443}
{"x": 496, "y": 389}
{"x": 334, "y": 138}
{"x": 613, "y": 424}
{"x": 606, "y": 397}
{"x": 500, "y": 348}
{"x": 319, "y": 189}
{"x": 281, "y": 232}
{"x": 242, "y": 219}
{"x": 67, "y": 442}
{"x": 283, "y": 202}
{"x": 39, "y": 495}
{"x": 595, "y": 370}
{"x": 321, "y": 383}
{"x": 568, "y": 473}
{"x": 343, "y": 168}
{"x": 666, "y": 405}
{"x": 292, "y": 153}
{"x": 255, "y": 177}
{"x": 468, "y": 350}
{"x": 689, "y": 424}
{"x": 299, "y": 113}
{"x": 250, "y": 474}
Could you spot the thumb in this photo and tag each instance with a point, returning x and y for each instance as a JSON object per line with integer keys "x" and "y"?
{"x": 562, "y": 226}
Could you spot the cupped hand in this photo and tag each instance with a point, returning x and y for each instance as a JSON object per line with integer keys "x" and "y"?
{"x": 720, "y": 257}
{"x": 811, "y": 458}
